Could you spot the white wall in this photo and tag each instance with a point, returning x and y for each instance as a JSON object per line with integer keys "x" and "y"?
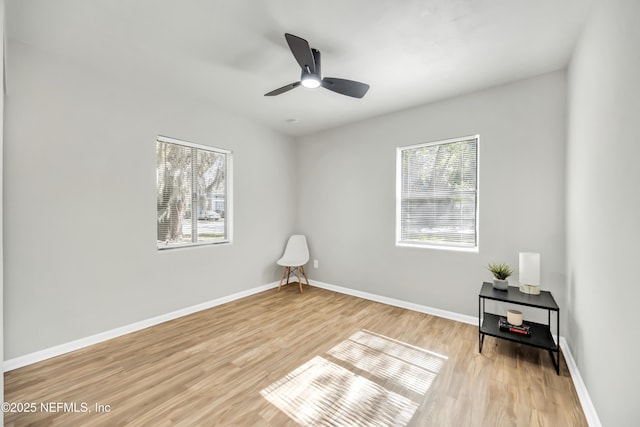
{"x": 603, "y": 205}
{"x": 347, "y": 195}
{"x": 80, "y": 208}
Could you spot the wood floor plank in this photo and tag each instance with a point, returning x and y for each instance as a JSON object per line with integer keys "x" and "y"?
{"x": 209, "y": 368}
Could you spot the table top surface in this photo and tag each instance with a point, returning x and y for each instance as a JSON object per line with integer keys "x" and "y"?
{"x": 512, "y": 294}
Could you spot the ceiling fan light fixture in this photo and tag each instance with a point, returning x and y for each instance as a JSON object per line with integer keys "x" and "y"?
{"x": 309, "y": 61}
{"x": 310, "y": 81}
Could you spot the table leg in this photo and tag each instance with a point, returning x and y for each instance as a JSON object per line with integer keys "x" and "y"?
{"x": 480, "y": 335}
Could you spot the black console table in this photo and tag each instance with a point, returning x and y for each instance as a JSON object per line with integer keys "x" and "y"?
{"x": 540, "y": 333}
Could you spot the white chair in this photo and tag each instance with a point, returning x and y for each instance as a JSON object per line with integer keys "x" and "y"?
{"x": 295, "y": 256}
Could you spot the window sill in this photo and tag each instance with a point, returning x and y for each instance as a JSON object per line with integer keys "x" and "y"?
{"x": 193, "y": 245}
{"x": 437, "y": 247}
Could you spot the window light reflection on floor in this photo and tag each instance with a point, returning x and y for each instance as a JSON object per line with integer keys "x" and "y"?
{"x": 321, "y": 392}
{"x": 409, "y": 367}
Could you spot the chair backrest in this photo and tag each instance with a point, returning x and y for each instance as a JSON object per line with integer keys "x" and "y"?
{"x": 296, "y": 251}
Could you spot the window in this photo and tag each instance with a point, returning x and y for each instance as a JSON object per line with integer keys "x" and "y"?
{"x": 193, "y": 194}
{"x": 437, "y": 194}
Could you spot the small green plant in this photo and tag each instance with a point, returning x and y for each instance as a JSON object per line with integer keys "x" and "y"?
{"x": 500, "y": 271}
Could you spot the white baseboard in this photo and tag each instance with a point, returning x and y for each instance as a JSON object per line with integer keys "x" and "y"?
{"x": 398, "y": 303}
{"x": 585, "y": 400}
{"x": 48, "y": 353}
{"x": 583, "y": 394}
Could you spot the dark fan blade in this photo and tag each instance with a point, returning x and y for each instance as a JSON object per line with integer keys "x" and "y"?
{"x": 302, "y": 52}
{"x": 283, "y": 89}
{"x": 345, "y": 87}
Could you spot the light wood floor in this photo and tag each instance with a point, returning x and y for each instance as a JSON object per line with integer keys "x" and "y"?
{"x": 209, "y": 368}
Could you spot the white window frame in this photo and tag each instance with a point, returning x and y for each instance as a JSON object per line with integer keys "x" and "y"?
{"x": 228, "y": 194}
{"x": 432, "y": 245}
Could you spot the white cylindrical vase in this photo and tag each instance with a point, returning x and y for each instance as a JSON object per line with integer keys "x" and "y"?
{"x": 530, "y": 272}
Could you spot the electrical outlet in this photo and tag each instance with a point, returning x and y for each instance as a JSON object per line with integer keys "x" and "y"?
{"x": 315, "y": 263}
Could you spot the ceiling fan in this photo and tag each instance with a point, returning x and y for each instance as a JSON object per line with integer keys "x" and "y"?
{"x": 309, "y": 60}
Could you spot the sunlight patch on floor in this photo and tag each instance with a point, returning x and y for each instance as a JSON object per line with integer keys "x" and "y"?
{"x": 321, "y": 392}
{"x": 407, "y": 366}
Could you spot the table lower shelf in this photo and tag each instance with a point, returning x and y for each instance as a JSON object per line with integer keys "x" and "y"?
{"x": 540, "y": 333}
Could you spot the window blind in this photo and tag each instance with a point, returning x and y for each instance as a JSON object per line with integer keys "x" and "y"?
{"x": 192, "y": 194}
{"x": 438, "y": 194}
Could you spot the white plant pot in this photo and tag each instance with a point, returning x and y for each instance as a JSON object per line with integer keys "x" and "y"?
{"x": 501, "y": 285}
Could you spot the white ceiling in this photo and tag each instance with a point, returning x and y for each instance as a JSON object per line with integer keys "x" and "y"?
{"x": 229, "y": 53}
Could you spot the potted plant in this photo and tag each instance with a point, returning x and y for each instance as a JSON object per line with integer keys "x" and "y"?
{"x": 500, "y": 273}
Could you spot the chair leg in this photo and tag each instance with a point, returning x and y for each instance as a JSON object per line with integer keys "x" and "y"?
{"x": 305, "y": 275}
{"x": 288, "y": 275}
{"x": 288, "y": 271}
{"x": 284, "y": 269}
